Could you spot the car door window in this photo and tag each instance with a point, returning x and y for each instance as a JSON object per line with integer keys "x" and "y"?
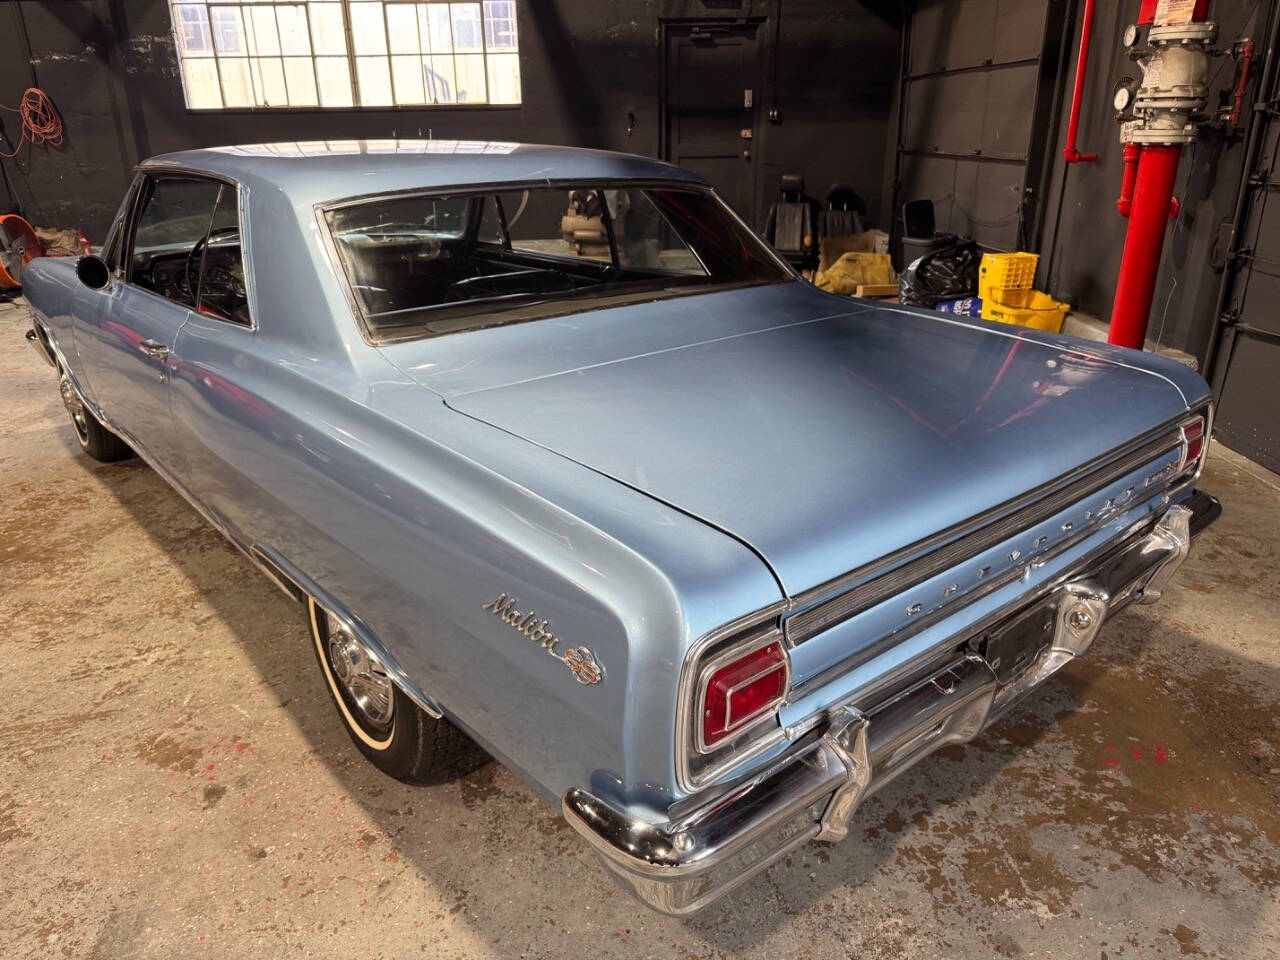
{"x": 169, "y": 233}
{"x": 218, "y": 265}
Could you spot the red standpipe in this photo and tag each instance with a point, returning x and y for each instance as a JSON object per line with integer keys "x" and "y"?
{"x": 1242, "y": 83}
{"x": 1069, "y": 152}
{"x": 1151, "y": 209}
{"x": 1131, "y": 153}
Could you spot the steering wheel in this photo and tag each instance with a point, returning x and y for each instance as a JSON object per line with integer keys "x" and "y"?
{"x": 193, "y": 288}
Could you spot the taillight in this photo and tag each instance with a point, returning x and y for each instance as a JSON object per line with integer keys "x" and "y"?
{"x": 743, "y": 690}
{"x": 1194, "y": 440}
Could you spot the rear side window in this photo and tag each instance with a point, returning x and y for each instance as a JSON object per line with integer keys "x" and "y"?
{"x": 433, "y": 264}
{"x": 186, "y": 246}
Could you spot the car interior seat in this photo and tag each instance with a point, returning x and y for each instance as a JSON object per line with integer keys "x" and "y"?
{"x": 790, "y": 228}
{"x": 843, "y": 214}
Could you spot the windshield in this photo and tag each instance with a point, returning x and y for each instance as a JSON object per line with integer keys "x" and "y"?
{"x": 429, "y": 265}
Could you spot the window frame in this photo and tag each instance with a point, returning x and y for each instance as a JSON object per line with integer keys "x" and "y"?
{"x": 375, "y": 338}
{"x": 129, "y": 235}
{"x": 349, "y": 55}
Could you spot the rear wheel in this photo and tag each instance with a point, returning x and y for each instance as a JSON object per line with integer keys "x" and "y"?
{"x": 394, "y": 733}
{"x": 96, "y": 440}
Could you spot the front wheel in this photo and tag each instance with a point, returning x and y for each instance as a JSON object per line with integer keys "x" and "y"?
{"x": 394, "y": 733}
{"x": 95, "y": 439}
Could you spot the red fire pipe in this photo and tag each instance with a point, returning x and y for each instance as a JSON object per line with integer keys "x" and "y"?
{"x": 1069, "y": 152}
{"x": 1242, "y": 84}
{"x": 1151, "y": 209}
{"x": 1131, "y": 152}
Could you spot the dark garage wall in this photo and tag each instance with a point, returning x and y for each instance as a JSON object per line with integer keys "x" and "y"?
{"x": 111, "y": 68}
{"x": 1083, "y": 255}
{"x": 965, "y": 123}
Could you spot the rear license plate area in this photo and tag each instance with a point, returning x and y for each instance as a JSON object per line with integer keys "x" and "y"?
{"x": 1012, "y": 646}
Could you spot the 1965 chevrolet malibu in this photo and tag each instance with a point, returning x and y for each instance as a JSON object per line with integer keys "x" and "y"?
{"x": 561, "y": 458}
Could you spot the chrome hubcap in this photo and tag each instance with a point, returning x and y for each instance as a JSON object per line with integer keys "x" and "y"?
{"x": 361, "y": 676}
{"x": 71, "y": 400}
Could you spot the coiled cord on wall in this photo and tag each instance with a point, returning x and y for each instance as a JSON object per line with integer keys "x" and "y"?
{"x": 41, "y": 122}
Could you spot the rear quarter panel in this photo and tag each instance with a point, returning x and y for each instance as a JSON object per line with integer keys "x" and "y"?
{"x": 416, "y": 529}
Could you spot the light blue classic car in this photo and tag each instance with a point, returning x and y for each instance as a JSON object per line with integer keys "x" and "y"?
{"x": 561, "y": 458}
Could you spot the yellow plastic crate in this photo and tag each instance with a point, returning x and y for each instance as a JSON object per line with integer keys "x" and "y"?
{"x": 1027, "y": 308}
{"x": 1002, "y": 273}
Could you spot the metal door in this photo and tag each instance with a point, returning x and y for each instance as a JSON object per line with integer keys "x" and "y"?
{"x": 710, "y": 90}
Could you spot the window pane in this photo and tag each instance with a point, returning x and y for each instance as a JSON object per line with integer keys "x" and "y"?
{"x": 438, "y": 73}
{"x": 335, "y": 81}
{"x": 263, "y": 38}
{"x": 279, "y": 53}
{"x": 406, "y": 74}
{"x": 269, "y": 83}
{"x": 504, "y": 78}
{"x": 237, "y": 85}
{"x": 293, "y": 31}
{"x": 470, "y": 69}
{"x": 490, "y": 228}
{"x": 175, "y": 217}
{"x": 368, "y": 32}
{"x": 300, "y": 78}
{"x": 415, "y": 267}
{"x": 500, "y": 25}
{"x": 221, "y": 284}
{"x": 375, "y": 81}
{"x": 466, "y": 27}
{"x": 200, "y": 80}
{"x": 441, "y": 30}
{"x": 402, "y": 27}
{"x": 228, "y": 30}
{"x": 327, "y": 32}
{"x": 192, "y": 26}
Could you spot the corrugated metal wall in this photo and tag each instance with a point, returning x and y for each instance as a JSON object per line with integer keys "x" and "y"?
{"x": 972, "y": 96}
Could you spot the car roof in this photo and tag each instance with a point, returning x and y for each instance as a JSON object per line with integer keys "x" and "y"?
{"x": 325, "y": 171}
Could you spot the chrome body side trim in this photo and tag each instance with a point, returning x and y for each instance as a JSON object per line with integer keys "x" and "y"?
{"x": 854, "y": 749}
{"x": 35, "y": 337}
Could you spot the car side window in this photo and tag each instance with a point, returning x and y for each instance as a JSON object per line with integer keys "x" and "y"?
{"x": 218, "y": 267}
{"x": 172, "y": 222}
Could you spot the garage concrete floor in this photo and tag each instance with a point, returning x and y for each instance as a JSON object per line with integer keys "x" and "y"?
{"x": 174, "y": 780}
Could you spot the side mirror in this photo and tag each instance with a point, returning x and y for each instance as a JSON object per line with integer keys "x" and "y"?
{"x": 93, "y": 272}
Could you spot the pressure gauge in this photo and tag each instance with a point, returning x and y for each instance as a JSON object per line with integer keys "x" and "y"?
{"x": 1123, "y": 96}
{"x": 1130, "y": 35}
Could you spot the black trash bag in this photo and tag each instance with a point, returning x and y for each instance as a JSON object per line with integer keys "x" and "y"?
{"x": 944, "y": 274}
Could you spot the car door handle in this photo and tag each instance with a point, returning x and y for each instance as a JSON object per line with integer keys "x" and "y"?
{"x": 153, "y": 348}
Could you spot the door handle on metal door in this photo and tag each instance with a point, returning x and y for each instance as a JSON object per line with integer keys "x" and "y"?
{"x": 153, "y": 348}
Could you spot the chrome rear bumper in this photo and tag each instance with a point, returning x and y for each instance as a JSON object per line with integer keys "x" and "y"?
{"x": 813, "y": 792}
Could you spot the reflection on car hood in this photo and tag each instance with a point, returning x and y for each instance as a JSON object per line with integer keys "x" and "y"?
{"x": 822, "y": 439}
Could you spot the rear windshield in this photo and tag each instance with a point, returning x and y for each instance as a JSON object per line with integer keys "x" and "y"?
{"x": 428, "y": 265}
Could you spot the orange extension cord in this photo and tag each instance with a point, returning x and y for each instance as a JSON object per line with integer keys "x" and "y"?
{"x": 41, "y": 122}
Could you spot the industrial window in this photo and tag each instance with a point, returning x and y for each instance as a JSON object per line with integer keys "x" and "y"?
{"x": 346, "y": 53}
